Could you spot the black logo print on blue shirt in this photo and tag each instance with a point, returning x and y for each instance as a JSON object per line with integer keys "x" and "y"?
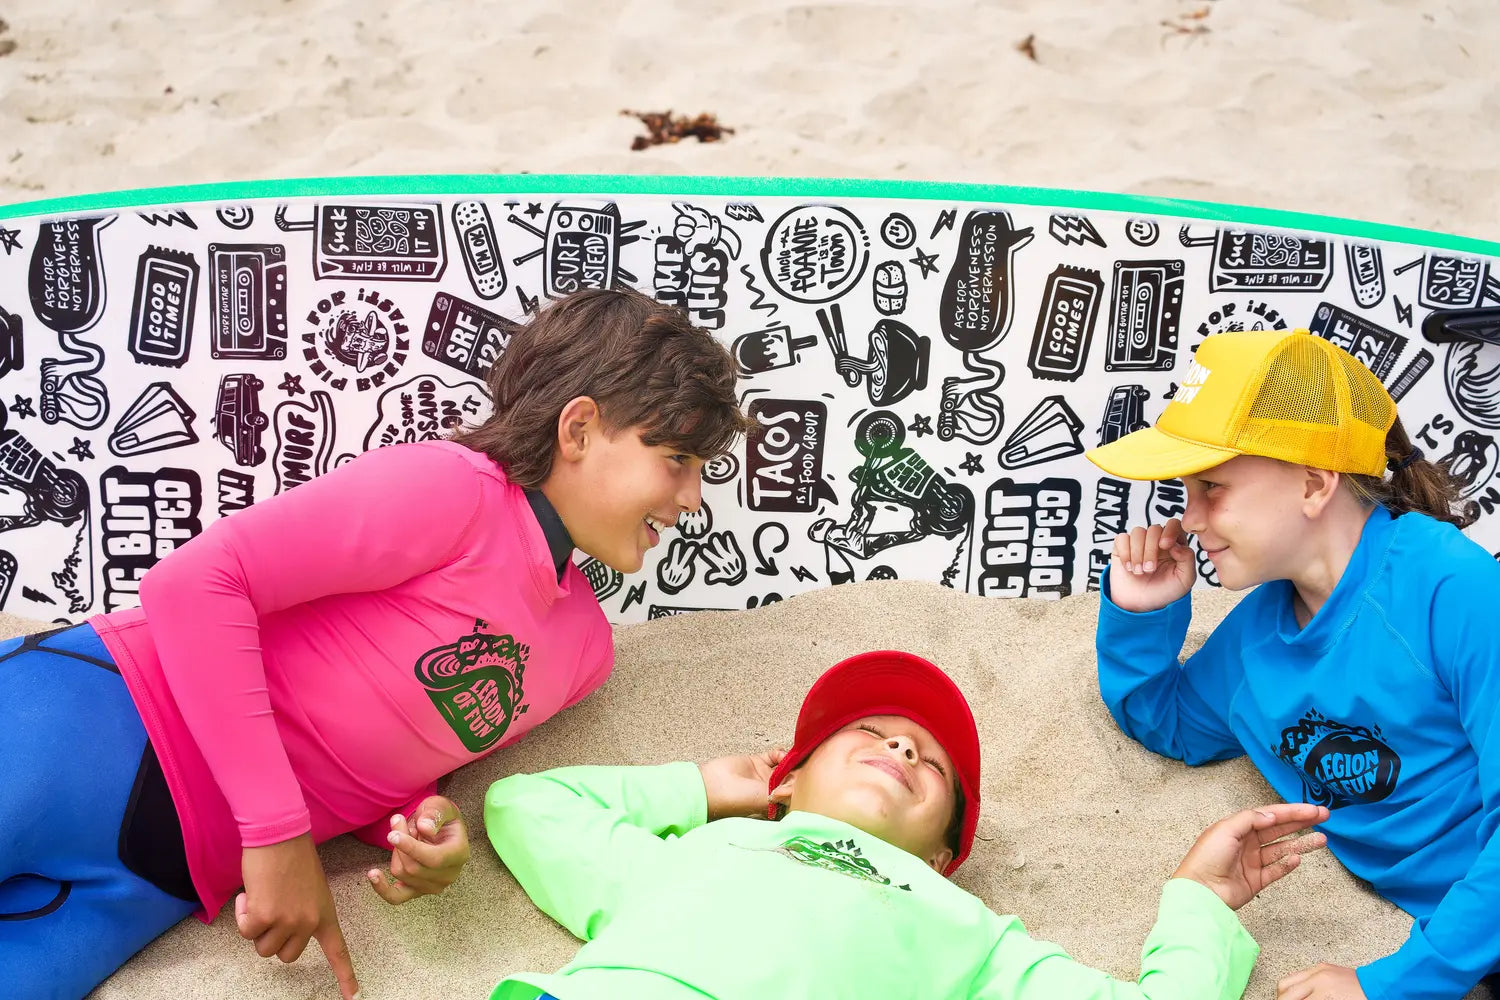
{"x": 1339, "y": 764}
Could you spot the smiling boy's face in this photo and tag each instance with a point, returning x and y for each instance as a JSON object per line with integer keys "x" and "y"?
{"x": 886, "y": 775}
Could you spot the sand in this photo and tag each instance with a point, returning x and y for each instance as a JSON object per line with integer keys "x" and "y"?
{"x": 1387, "y": 112}
{"x": 1079, "y": 825}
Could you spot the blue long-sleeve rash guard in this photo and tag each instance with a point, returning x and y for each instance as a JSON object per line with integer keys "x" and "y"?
{"x": 1383, "y": 709}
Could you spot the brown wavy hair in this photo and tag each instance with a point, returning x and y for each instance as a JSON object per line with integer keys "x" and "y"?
{"x": 643, "y": 362}
{"x": 1416, "y": 484}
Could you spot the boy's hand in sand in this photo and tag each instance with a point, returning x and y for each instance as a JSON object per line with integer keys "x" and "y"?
{"x": 1321, "y": 982}
{"x": 1151, "y": 567}
{"x": 427, "y": 854}
{"x": 1239, "y": 856}
{"x": 738, "y": 786}
{"x": 286, "y": 902}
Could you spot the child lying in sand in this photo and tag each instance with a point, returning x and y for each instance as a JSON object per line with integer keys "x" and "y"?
{"x": 680, "y": 895}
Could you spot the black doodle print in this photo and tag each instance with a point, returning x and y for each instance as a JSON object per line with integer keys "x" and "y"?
{"x": 765, "y": 564}
{"x": 743, "y": 212}
{"x": 976, "y": 305}
{"x": 475, "y": 231}
{"x": 1028, "y": 537}
{"x": 1254, "y": 260}
{"x": 159, "y": 419}
{"x": 606, "y": 582}
{"x": 1111, "y": 518}
{"x": 898, "y": 232}
{"x": 815, "y": 253}
{"x": 465, "y": 336}
{"x": 364, "y": 242}
{"x": 1145, "y": 308}
{"x": 304, "y": 434}
{"x": 360, "y": 340}
{"x": 721, "y": 469}
{"x": 8, "y": 568}
{"x": 236, "y": 217}
{"x": 1142, "y": 232}
{"x": 424, "y": 408}
{"x": 1452, "y": 282}
{"x": 12, "y": 344}
{"x": 971, "y": 408}
{"x": 893, "y": 474}
{"x": 762, "y": 351}
{"x": 239, "y": 420}
{"x": 1237, "y": 315}
{"x": 161, "y": 315}
{"x": 1074, "y": 230}
{"x": 146, "y": 517}
{"x": 1049, "y": 432}
{"x": 693, "y": 265}
{"x": 580, "y": 247}
{"x": 1472, "y": 377}
{"x": 1472, "y": 461}
{"x": 890, "y": 288}
{"x": 236, "y": 490}
{"x": 305, "y": 367}
{"x": 66, "y": 279}
{"x": 784, "y": 456}
{"x": 247, "y": 300}
{"x": 176, "y": 217}
{"x": 1366, "y": 274}
{"x": 1414, "y": 370}
{"x": 1065, "y": 323}
{"x": 897, "y": 363}
{"x": 1124, "y": 413}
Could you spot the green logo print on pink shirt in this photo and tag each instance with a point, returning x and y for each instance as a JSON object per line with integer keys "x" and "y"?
{"x": 476, "y": 684}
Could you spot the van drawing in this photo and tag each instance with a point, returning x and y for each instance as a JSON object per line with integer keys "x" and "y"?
{"x": 238, "y": 418}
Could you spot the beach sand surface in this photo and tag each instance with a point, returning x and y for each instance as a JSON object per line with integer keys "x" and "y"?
{"x": 1388, "y": 112}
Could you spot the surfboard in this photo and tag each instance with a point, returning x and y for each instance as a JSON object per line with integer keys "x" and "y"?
{"x": 926, "y": 363}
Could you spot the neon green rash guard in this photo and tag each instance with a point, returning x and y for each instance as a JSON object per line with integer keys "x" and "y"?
{"x": 673, "y": 907}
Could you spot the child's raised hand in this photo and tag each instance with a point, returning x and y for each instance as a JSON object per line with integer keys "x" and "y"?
{"x": 286, "y": 903}
{"x": 1151, "y": 567}
{"x": 1239, "y": 856}
{"x": 739, "y": 786}
{"x": 427, "y": 855}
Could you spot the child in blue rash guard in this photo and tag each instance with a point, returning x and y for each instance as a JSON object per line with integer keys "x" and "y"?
{"x": 1361, "y": 674}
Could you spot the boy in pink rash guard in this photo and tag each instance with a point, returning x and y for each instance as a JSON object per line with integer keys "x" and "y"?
{"x": 312, "y": 664}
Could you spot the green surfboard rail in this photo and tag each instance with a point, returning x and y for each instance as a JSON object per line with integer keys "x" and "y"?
{"x": 398, "y": 185}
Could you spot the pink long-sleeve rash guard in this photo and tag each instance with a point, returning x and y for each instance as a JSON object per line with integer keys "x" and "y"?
{"x": 317, "y": 661}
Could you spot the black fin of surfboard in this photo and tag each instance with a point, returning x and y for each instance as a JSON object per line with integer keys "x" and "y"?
{"x": 1449, "y": 325}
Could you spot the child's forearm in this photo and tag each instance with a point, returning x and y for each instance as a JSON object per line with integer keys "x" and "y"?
{"x": 576, "y": 836}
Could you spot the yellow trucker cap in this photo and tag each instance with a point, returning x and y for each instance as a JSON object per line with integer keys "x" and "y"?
{"x": 1280, "y": 394}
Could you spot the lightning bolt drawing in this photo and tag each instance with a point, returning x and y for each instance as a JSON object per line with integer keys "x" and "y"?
{"x": 1070, "y": 229}
{"x": 529, "y": 305}
{"x": 803, "y": 573}
{"x": 168, "y": 218}
{"x": 743, "y": 212}
{"x": 760, "y": 295}
{"x": 945, "y": 221}
{"x": 634, "y": 595}
{"x": 1403, "y": 312}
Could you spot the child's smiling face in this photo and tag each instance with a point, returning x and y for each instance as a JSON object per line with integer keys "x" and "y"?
{"x": 1248, "y": 515}
{"x": 615, "y": 493}
{"x": 886, "y": 775}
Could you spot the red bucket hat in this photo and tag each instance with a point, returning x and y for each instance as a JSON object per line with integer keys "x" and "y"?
{"x": 888, "y": 682}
